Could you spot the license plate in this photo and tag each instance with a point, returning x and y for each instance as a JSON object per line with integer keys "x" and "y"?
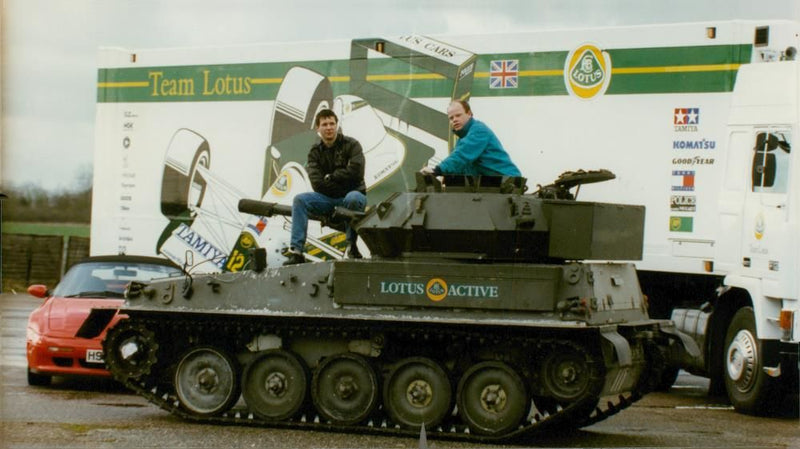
{"x": 94, "y": 356}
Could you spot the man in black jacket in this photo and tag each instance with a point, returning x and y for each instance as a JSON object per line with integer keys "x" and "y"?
{"x": 336, "y": 170}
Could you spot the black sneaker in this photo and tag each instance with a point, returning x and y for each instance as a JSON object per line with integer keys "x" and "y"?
{"x": 352, "y": 252}
{"x": 293, "y": 258}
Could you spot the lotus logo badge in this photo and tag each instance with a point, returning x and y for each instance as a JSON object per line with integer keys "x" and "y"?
{"x": 587, "y": 72}
{"x": 436, "y": 289}
{"x": 759, "y": 226}
{"x": 246, "y": 240}
{"x": 282, "y": 184}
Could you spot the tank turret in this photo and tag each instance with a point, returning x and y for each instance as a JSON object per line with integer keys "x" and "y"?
{"x": 489, "y": 218}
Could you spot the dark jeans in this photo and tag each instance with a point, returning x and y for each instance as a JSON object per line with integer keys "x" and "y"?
{"x": 313, "y": 203}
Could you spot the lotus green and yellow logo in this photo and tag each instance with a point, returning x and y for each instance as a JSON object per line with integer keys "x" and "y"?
{"x": 436, "y": 289}
{"x": 282, "y": 184}
{"x": 587, "y": 72}
{"x": 759, "y": 226}
{"x": 246, "y": 240}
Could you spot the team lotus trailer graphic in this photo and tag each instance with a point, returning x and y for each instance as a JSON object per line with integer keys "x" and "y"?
{"x": 201, "y": 207}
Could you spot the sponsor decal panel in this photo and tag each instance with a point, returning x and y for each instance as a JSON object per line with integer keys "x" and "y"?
{"x": 683, "y": 180}
{"x": 683, "y": 203}
{"x": 681, "y": 224}
{"x": 686, "y": 119}
{"x": 696, "y": 160}
{"x": 702, "y": 144}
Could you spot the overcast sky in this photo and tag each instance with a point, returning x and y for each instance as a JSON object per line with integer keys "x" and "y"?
{"x": 49, "y": 49}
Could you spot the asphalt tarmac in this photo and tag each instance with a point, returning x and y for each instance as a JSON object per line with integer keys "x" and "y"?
{"x": 75, "y": 413}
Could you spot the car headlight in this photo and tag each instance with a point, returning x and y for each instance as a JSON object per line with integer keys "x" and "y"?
{"x": 32, "y": 336}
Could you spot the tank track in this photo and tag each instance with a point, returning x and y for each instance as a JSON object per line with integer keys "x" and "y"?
{"x": 582, "y": 413}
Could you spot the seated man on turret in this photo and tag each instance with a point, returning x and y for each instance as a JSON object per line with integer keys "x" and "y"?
{"x": 336, "y": 171}
{"x": 478, "y": 150}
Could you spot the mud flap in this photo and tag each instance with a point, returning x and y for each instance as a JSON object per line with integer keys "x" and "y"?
{"x": 620, "y": 344}
{"x": 689, "y": 345}
{"x": 623, "y": 375}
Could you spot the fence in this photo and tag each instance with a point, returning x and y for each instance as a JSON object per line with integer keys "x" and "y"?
{"x": 38, "y": 259}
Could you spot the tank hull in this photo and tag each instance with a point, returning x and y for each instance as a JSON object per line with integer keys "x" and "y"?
{"x": 471, "y": 350}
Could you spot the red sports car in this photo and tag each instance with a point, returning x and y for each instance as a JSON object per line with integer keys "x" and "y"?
{"x": 96, "y": 282}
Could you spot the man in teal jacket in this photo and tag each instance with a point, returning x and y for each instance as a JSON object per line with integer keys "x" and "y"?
{"x": 477, "y": 152}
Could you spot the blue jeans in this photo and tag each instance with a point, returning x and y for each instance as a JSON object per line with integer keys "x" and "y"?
{"x": 317, "y": 204}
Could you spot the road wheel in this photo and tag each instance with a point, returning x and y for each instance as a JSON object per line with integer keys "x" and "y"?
{"x": 275, "y": 385}
{"x": 345, "y": 389}
{"x": 567, "y": 374}
{"x": 207, "y": 381}
{"x": 571, "y": 379}
{"x": 492, "y": 399}
{"x": 418, "y": 391}
{"x": 749, "y": 387}
{"x": 38, "y": 380}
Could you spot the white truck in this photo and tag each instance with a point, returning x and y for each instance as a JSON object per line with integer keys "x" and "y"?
{"x": 696, "y": 120}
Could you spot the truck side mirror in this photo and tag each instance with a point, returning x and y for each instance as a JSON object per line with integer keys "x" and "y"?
{"x": 763, "y": 169}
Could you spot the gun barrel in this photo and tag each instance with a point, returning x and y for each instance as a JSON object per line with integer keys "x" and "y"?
{"x": 263, "y": 208}
{"x": 344, "y": 214}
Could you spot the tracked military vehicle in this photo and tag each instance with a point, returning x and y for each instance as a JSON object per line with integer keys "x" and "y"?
{"x": 475, "y": 316}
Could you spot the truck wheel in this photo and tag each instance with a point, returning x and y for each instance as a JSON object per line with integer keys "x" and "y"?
{"x": 182, "y": 186}
{"x": 665, "y": 371}
{"x": 302, "y": 94}
{"x": 668, "y": 378}
{"x": 749, "y": 388}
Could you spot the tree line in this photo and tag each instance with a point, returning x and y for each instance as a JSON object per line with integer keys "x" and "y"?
{"x": 34, "y": 204}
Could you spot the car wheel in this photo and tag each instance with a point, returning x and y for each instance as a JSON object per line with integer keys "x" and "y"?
{"x": 38, "y": 380}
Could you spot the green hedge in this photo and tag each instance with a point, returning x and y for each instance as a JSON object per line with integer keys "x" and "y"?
{"x": 63, "y": 229}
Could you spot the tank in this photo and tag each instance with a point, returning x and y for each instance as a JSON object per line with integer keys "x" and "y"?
{"x": 483, "y": 313}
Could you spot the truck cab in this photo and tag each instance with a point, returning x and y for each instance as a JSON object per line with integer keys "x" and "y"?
{"x": 751, "y": 329}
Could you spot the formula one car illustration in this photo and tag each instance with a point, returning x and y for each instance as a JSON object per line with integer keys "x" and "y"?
{"x": 397, "y": 134}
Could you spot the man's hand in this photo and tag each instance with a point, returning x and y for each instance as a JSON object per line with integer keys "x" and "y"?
{"x": 426, "y": 170}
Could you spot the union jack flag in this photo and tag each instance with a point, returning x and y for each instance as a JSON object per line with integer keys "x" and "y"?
{"x": 504, "y": 74}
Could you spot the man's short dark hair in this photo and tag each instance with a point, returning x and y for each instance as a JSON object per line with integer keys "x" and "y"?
{"x": 325, "y": 113}
{"x": 464, "y": 105}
